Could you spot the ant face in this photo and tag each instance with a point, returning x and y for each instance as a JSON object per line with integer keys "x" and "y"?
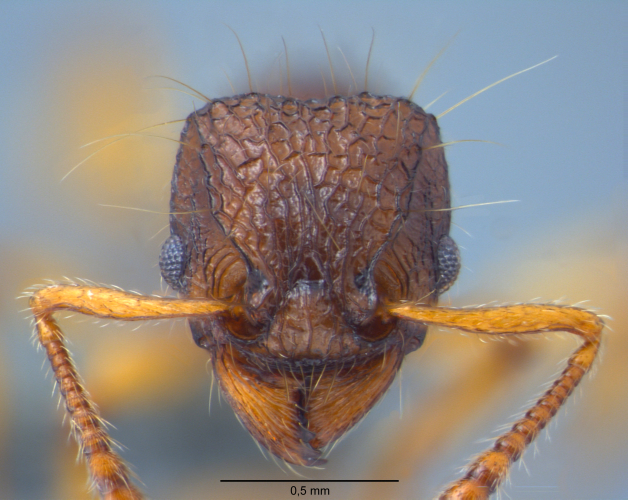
{"x": 256, "y": 195}
{"x": 308, "y": 218}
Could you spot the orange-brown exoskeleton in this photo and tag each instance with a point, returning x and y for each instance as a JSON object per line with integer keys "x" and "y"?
{"x": 309, "y": 244}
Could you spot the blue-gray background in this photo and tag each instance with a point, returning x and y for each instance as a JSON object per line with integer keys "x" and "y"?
{"x": 75, "y": 72}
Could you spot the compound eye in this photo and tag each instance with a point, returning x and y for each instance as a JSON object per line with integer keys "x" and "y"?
{"x": 172, "y": 261}
{"x": 448, "y": 263}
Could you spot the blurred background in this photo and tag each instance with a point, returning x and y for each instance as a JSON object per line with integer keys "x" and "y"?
{"x": 75, "y": 72}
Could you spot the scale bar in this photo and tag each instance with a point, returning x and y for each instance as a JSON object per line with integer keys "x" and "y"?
{"x": 309, "y": 481}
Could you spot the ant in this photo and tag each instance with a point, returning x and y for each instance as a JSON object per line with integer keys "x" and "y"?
{"x": 309, "y": 245}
